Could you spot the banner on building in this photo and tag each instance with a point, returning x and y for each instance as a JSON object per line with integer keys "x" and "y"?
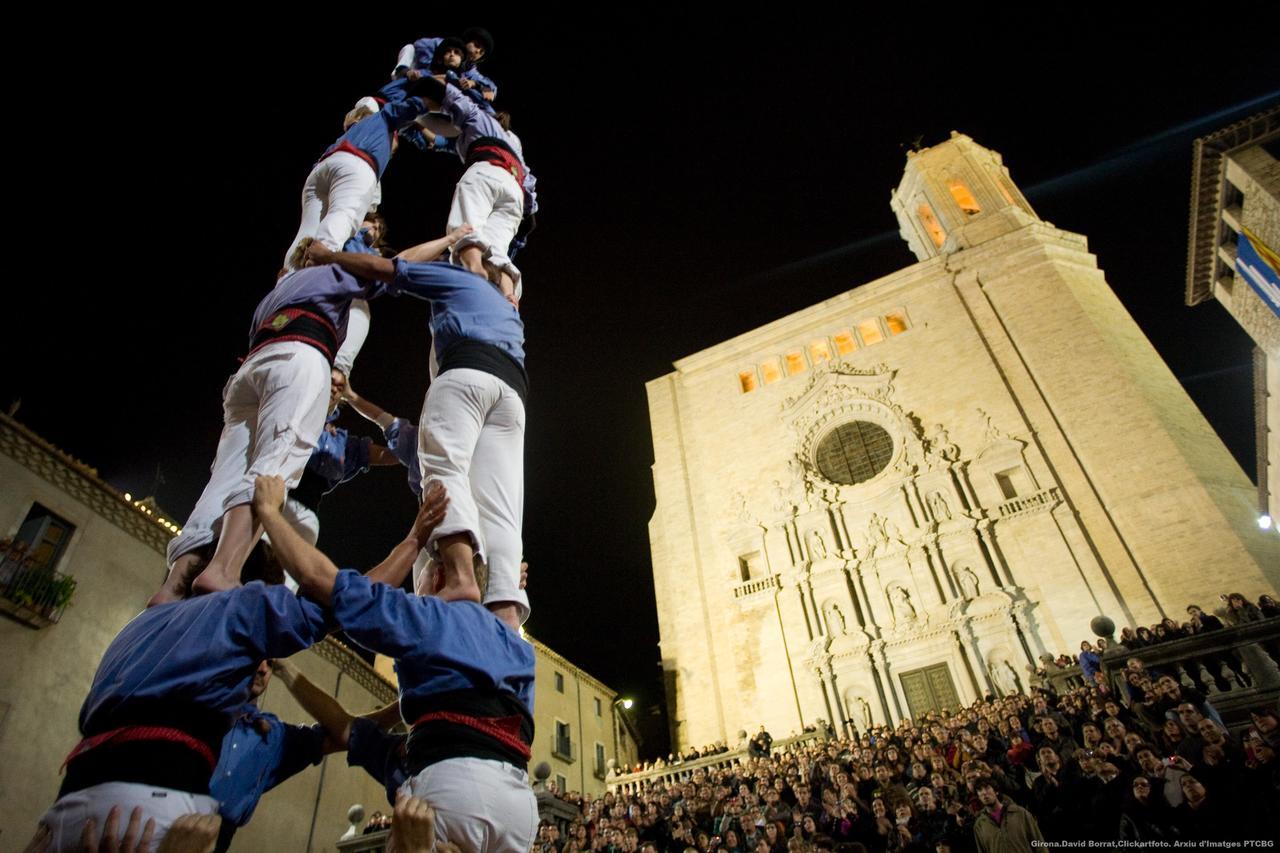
{"x": 1260, "y": 266}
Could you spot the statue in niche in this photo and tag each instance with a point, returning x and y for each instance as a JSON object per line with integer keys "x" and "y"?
{"x": 781, "y": 501}
{"x": 877, "y": 536}
{"x": 938, "y": 507}
{"x": 968, "y": 582}
{"x": 836, "y": 623}
{"x": 817, "y": 546}
{"x": 940, "y": 444}
{"x": 860, "y": 711}
{"x": 900, "y": 602}
{"x": 1003, "y": 677}
{"x": 741, "y": 512}
{"x": 801, "y": 485}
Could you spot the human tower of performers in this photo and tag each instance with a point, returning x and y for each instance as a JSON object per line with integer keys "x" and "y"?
{"x": 171, "y": 750}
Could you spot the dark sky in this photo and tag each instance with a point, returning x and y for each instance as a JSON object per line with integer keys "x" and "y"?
{"x": 697, "y": 179}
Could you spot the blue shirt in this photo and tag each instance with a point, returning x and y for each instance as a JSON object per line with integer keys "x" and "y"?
{"x": 329, "y": 289}
{"x": 252, "y": 763}
{"x": 359, "y": 244}
{"x": 372, "y": 134}
{"x": 464, "y": 306}
{"x": 202, "y": 651}
{"x": 439, "y": 647}
{"x": 402, "y": 441}
{"x": 474, "y": 123}
{"x": 378, "y": 753}
{"x": 339, "y": 456}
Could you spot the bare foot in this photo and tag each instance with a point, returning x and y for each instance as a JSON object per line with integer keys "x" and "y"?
{"x": 178, "y": 583}
{"x": 460, "y": 586}
{"x": 212, "y": 580}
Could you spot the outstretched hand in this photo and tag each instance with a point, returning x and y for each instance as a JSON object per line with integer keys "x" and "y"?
{"x": 413, "y": 828}
{"x": 434, "y": 502}
{"x": 268, "y": 495}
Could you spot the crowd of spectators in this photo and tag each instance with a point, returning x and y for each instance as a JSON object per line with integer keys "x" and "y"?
{"x": 1151, "y": 762}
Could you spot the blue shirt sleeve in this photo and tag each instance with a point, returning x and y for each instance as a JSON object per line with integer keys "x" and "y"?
{"x": 383, "y": 619}
{"x": 402, "y": 440}
{"x": 378, "y": 754}
{"x": 356, "y": 459}
{"x": 399, "y": 113}
{"x": 274, "y": 622}
{"x": 301, "y": 747}
{"x": 431, "y": 281}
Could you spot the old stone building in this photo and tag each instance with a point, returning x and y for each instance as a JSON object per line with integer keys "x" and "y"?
{"x": 898, "y": 498}
{"x": 1234, "y": 258}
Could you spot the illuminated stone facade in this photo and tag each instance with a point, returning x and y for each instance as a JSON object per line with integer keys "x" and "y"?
{"x": 900, "y": 497}
{"x": 1235, "y": 198}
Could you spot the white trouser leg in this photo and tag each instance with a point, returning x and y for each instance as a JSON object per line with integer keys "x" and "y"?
{"x": 335, "y": 198}
{"x": 357, "y": 330}
{"x": 481, "y": 805}
{"x": 312, "y": 211}
{"x": 202, "y": 525}
{"x": 489, "y": 199}
{"x": 67, "y": 817}
{"x": 452, "y": 417}
{"x": 351, "y": 185}
{"x": 284, "y": 396}
{"x": 497, "y": 486}
{"x": 273, "y": 409}
{"x": 405, "y": 59}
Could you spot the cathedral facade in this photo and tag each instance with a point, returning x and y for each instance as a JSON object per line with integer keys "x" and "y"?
{"x": 899, "y": 498}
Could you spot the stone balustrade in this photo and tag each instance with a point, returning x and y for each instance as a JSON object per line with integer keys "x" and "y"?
{"x": 683, "y": 770}
{"x": 1236, "y": 667}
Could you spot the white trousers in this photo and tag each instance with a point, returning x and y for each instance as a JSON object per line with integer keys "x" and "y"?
{"x": 489, "y": 199}
{"x": 358, "y": 319}
{"x": 481, "y": 805}
{"x": 336, "y": 196}
{"x": 273, "y": 410}
{"x": 67, "y": 817}
{"x": 471, "y": 439}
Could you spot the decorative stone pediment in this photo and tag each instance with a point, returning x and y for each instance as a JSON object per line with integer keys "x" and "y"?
{"x": 837, "y": 394}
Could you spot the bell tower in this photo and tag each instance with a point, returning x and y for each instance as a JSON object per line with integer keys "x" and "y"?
{"x": 956, "y": 195}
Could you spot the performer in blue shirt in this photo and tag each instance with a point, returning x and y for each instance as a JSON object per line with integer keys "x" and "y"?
{"x": 163, "y": 698}
{"x": 274, "y": 409}
{"x": 261, "y": 751}
{"x": 401, "y": 434}
{"x": 341, "y": 185}
{"x": 471, "y": 435}
{"x": 496, "y": 190}
{"x": 369, "y": 240}
{"x": 466, "y": 686}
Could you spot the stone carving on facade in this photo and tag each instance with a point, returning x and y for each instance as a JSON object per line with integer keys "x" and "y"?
{"x": 938, "y": 507}
{"x": 860, "y": 710}
{"x": 782, "y": 503}
{"x": 940, "y": 447}
{"x": 817, "y": 545}
{"x": 882, "y": 533}
{"x": 994, "y": 434}
{"x": 900, "y": 602}
{"x": 968, "y": 582}
{"x": 1004, "y": 677}
{"x": 836, "y": 622}
{"x": 739, "y": 510}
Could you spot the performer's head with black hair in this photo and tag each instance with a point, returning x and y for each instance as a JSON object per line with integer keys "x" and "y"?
{"x": 449, "y": 56}
{"x": 478, "y": 44}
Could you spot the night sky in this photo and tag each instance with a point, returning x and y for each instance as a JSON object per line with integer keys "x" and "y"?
{"x": 697, "y": 180}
